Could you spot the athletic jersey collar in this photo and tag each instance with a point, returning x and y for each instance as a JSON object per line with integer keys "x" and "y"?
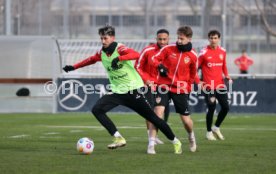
{"x": 156, "y": 46}
{"x": 110, "y": 49}
{"x": 210, "y": 48}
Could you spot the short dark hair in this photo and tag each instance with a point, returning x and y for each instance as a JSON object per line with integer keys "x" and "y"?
{"x": 162, "y": 31}
{"x": 243, "y": 50}
{"x": 213, "y": 32}
{"x": 107, "y": 30}
{"x": 186, "y": 30}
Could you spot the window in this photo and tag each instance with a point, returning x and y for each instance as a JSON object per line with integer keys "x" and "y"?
{"x": 215, "y": 20}
{"x": 76, "y": 20}
{"x": 244, "y": 19}
{"x": 157, "y": 20}
{"x": 101, "y": 20}
{"x": 133, "y": 20}
{"x": 58, "y": 19}
{"x": 189, "y": 20}
{"x": 115, "y": 20}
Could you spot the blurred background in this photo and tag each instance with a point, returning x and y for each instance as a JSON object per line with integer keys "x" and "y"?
{"x": 250, "y": 24}
{"x": 37, "y": 38}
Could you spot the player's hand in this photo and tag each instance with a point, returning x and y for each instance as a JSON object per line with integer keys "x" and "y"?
{"x": 68, "y": 68}
{"x": 162, "y": 70}
{"x": 230, "y": 81}
{"x": 201, "y": 85}
{"x": 114, "y": 63}
{"x": 149, "y": 83}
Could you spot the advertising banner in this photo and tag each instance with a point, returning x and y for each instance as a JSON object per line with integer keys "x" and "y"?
{"x": 245, "y": 96}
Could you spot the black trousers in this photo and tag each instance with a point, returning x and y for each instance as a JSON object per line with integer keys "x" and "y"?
{"x": 210, "y": 99}
{"x": 243, "y": 71}
{"x": 134, "y": 100}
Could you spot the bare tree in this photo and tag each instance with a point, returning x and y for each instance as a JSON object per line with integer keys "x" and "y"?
{"x": 268, "y": 5}
{"x": 271, "y": 5}
{"x": 193, "y": 5}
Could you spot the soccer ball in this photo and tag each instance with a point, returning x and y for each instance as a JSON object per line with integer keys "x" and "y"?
{"x": 85, "y": 146}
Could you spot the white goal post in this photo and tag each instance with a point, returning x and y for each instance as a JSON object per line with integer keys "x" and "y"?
{"x": 73, "y": 51}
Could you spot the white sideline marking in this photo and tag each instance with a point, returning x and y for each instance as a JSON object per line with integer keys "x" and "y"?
{"x": 19, "y": 136}
{"x": 201, "y": 120}
{"x": 250, "y": 129}
{"x": 96, "y": 127}
{"x": 51, "y": 133}
{"x": 75, "y": 131}
{"x": 143, "y": 127}
{"x": 244, "y": 129}
{"x": 50, "y": 137}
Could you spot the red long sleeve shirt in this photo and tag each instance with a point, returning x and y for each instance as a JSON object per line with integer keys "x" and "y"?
{"x": 243, "y": 62}
{"x": 213, "y": 65}
{"x": 144, "y": 64}
{"x": 125, "y": 54}
{"x": 181, "y": 68}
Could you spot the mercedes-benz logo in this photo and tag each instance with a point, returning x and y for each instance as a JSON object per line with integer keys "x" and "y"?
{"x": 71, "y": 95}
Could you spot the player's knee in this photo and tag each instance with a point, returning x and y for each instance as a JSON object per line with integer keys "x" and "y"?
{"x": 225, "y": 108}
{"x": 96, "y": 110}
{"x": 211, "y": 106}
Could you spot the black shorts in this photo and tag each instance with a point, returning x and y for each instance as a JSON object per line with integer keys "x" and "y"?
{"x": 150, "y": 95}
{"x": 180, "y": 101}
{"x": 212, "y": 96}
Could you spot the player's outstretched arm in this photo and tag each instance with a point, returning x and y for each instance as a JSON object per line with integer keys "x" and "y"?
{"x": 68, "y": 68}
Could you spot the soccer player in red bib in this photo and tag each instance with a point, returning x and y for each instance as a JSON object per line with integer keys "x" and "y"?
{"x": 176, "y": 64}
{"x": 212, "y": 61}
{"x": 149, "y": 73}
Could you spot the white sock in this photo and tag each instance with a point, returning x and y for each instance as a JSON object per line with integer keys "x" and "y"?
{"x": 191, "y": 134}
{"x": 117, "y": 134}
{"x": 175, "y": 140}
{"x": 151, "y": 141}
{"x": 215, "y": 127}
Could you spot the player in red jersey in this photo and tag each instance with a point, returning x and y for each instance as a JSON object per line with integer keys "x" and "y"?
{"x": 176, "y": 64}
{"x": 212, "y": 61}
{"x": 243, "y": 62}
{"x": 149, "y": 73}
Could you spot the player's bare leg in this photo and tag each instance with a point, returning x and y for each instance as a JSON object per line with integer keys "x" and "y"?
{"x": 188, "y": 125}
{"x": 157, "y": 140}
{"x": 159, "y": 110}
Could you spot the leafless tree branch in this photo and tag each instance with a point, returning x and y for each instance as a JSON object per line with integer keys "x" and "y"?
{"x": 240, "y": 6}
{"x": 264, "y": 20}
{"x": 192, "y": 6}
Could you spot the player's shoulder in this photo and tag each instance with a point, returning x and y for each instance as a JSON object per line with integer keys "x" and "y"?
{"x": 193, "y": 51}
{"x": 203, "y": 51}
{"x": 121, "y": 47}
{"x": 148, "y": 48}
{"x": 222, "y": 49}
{"x": 99, "y": 52}
{"x": 168, "y": 47}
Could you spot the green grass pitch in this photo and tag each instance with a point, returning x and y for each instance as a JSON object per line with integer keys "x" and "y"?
{"x": 46, "y": 143}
